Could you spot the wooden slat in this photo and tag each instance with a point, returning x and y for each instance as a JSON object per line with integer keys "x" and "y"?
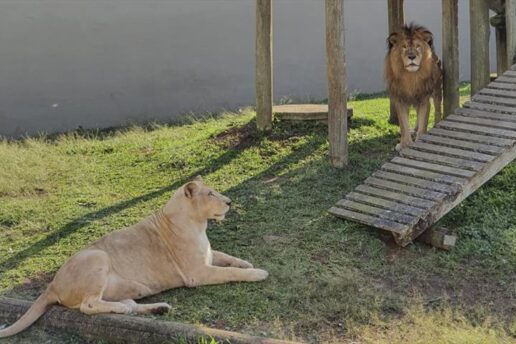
{"x": 422, "y": 183}
{"x": 497, "y": 93}
{"x": 444, "y": 150}
{"x": 485, "y": 114}
{"x": 396, "y": 196}
{"x": 483, "y": 121}
{"x": 439, "y": 159}
{"x": 490, "y": 107}
{"x": 477, "y": 129}
{"x": 502, "y": 85}
{"x": 402, "y": 188}
{"x": 494, "y": 100}
{"x": 510, "y": 73}
{"x": 491, "y": 140}
{"x": 458, "y": 172}
{"x": 416, "y": 172}
{"x": 506, "y": 79}
{"x": 391, "y": 205}
{"x": 467, "y": 145}
{"x": 370, "y": 220}
{"x": 378, "y": 212}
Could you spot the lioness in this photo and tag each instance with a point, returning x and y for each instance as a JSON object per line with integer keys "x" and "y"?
{"x": 413, "y": 75}
{"x": 168, "y": 249}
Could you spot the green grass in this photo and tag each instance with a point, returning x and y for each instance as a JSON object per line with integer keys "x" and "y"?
{"x": 330, "y": 280}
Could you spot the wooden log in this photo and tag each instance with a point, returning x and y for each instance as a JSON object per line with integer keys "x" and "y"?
{"x": 124, "y": 328}
{"x": 501, "y": 50}
{"x": 337, "y": 118}
{"x": 450, "y": 45}
{"x": 510, "y": 25}
{"x": 396, "y": 18}
{"x": 479, "y": 37}
{"x": 438, "y": 237}
{"x": 264, "y": 64}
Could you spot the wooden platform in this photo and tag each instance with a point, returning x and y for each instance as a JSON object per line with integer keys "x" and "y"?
{"x": 430, "y": 177}
{"x": 304, "y": 112}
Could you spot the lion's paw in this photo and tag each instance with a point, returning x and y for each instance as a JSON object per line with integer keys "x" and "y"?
{"x": 244, "y": 264}
{"x": 260, "y": 275}
{"x": 161, "y": 308}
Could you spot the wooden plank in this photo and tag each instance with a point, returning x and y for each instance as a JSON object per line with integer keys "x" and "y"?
{"x": 485, "y": 114}
{"x": 483, "y": 121}
{"x": 378, "y": 212}
{"x": 396, "y": 196}
{"x": 458, "y": 172}
{"x": 369, "y": 220}
{"x": 510, "y": 73}
{"x": 444, "y": 150}
{"x": 264, "y": 64}
{"x": 383, "y": 203}
{"x": 422, "y": 183}
{"x": 396, "y": 20}
{"x": 496, "y": 92}
{"x": 337, "y": 114}
{"x": 491, "y": 140}
{"x": 477, "y": 129}
{"x": 407, "y": 189}
{"x": 506, "y": 79}
{"x": 439, "y": 159}
{"x": 479, "y": 43}
{"x": 501, "y": 85}
{"x": 490, "y": 107}
{"x": 494, "y": 100}
{"x": 416, "y": 172}
{"x": 510, "y": 29}
{"x": 450, "y": 54}
{"x": 467, "y": 145}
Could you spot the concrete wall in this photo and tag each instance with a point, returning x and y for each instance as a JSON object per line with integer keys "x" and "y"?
{"x": 100, "y": 63}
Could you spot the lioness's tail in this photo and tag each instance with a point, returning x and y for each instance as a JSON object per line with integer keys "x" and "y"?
{"x": 37, "y": 309}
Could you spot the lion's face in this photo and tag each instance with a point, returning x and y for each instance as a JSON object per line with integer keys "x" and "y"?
{"x": 411, "y": 46}
{"x": 205, "y": 202}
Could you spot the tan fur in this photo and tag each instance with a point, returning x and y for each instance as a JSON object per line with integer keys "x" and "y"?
{"x": 413, "y": 85}
{"x": 168, "y": 249}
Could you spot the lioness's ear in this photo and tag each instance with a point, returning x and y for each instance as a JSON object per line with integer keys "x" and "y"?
{"x": 198, "y": 178}
{"x": 191, "y": 189}
{"x": 392, "y": 40}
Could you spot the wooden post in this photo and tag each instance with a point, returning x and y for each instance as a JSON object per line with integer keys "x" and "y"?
{"x": 264, "y": 64}
{"x": 479, "y": 36}
{"x": 450, "y": 36}
{"x": 396, "y": 21}
{"x": 501, "y": 44}
{"x": 337, "y": 118}
{"x": 510, "y": 24}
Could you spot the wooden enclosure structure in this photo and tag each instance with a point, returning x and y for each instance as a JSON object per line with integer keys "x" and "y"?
{"x": 431, "y": 176}
{"x": 334, "y": 9}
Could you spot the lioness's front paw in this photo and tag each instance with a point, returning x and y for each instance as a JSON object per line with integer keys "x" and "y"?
{"x": 259, "y": 275}
{"x": 243, "y": 264}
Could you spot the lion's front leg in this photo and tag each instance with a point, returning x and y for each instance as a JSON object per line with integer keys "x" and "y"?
{"x": 423, "y": 112}
{"x": 210, "y": 274}
{"x": 223, "y": 259}
{"x": 403, "y": 117}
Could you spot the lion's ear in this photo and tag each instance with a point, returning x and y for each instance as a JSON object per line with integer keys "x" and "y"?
{"x": 198, "y": 178}
{"x": 191, "y": 189}
{"x": 429, "y": 38}
{"x": 392, "y": 40}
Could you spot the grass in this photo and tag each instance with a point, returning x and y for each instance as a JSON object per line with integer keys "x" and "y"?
{"x": 330, "y": 280}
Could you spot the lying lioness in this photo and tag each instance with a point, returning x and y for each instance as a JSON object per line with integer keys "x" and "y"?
{"x": 168, "y": 249}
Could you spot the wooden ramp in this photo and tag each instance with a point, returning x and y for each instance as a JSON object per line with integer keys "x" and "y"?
{"x": 434, "y": 174}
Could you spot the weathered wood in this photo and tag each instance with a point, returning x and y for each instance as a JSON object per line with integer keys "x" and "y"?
{"x": 422, "y": 183}
{"x": 497, "y": 92}
{"x": 501, "y": 45}
{"x": 491, "y": 140}
{"x": 506, "y": 79}
{"x": 395, "y": 196}
{"x": 490, "y": 107}
{"x": 483, "y": 121}
{"x": 407, "y": 189}
{"x": 435, "y": 167}
{"x": 337, "y": 118}
{"x": 448, "y": 151}
{"x": 485, "y": 114}
{"x": 396, "y": 20}
{"x": 510, "y": 73}
{"x": 502, "y": 85}
{"x": 479, "y": 40}
{"x": 437, "y": 158}
{"x": 264, "y": 64}
{"x": 478, "y": 129}
{"x": 510, "y": 25}
{"x": 383, "y": 203}
{"x": 450, "y": 51}
{"x": 494, "y": 100}
{"x": 466, "y": 145}
{"x": 305, "y": 112}
{"x": 369, "y": 220}
{"x": 429, "y": 175}
{"x": 378, "y": 212}
{"x": 124, "y": 328}
{"x": 438, "y": 237}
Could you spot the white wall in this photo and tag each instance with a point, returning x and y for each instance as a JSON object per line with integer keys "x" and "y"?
{"x": 100, "y": 63}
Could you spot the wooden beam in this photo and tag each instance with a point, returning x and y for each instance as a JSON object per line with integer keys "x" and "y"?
{"x": 479, "y": 36}
{"x": 396, "y": 20}
{"x": 117, "y": 328}
{"x": 264, "y": 64}
{"x": 337, "y": 118}
{"x": 450, "y": 44}
{"x": 510, "y": 24}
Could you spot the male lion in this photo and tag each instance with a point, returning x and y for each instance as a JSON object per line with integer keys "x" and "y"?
{"x": 168, "y": 249}
{"x": 413, "y": 75}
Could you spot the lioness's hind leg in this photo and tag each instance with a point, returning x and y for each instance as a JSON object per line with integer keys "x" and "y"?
{"x": 149, "y": 308}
